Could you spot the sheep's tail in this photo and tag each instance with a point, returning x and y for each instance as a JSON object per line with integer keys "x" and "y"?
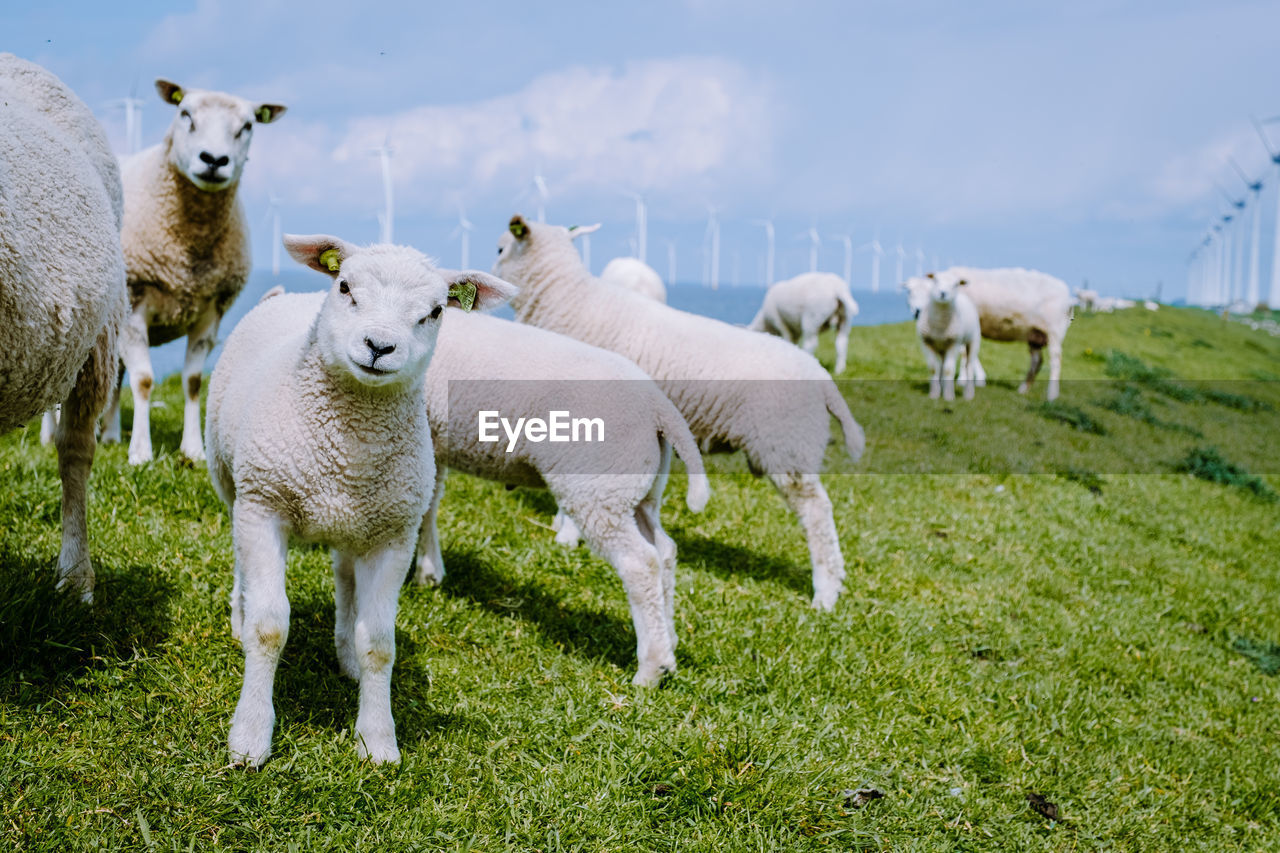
{"x": 854, "y": 439}
{"x": 672, "y": 426}
{"x": 846, "y": 310}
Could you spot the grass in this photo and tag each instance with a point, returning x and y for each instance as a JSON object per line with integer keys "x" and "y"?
{"x": 1099, "y": 637}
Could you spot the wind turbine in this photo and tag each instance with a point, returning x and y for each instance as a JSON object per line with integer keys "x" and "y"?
{"x": 876, "y": 251}
{"x": 1251, "y": 292}
{"x": 847, "y": 240}
{"x": 671, "y": 262}
{"x": 902, "y": 256}
{"x": 132, "y": 106}
{"x": 463, "y": 232}
{"x": 1234, "y": 265}
{"x": 919, "y": 260}
{"x": 712, "y": 244}
{"x": 387, "y": 218}
{"x": 769, "y": 250}
{"x": 642, "y": 227}
{"x": 815, "y": 242}
{"x": 273, "y": 211}
{"x": 1273, "y": 298}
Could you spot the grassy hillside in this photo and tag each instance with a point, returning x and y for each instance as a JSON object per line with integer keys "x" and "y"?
{"x": 1101, "y": 634}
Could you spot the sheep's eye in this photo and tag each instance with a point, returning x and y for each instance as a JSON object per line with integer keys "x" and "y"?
{"x": 435, "y": 312}
{"x": 191, "y": 124}
{"x": 499, "y": 250}
{"x": 343, "y": 288}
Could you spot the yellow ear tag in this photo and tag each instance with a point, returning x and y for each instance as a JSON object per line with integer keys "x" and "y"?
{"x": 329, "y": 257}
{"x": 263, "y": 115}
{"x": 176, "y": 96}
{"x": 517, "y": 229}
{"x": 465, "y": 293}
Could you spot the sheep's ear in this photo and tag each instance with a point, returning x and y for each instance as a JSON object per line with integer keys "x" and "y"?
{"x": 170, "y": 93}
{"x": 929, "y": 275}
{"x": 267, "y": 113}
{"x": 318, "y": 251}
{"x": 576, "y": 231}
{"x": 474, "y": 289}
{"x": 518, "y": 227}
{"x": 962, "y": 282}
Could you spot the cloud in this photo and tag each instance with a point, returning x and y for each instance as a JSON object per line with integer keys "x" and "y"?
{"x": 681, "y": 128}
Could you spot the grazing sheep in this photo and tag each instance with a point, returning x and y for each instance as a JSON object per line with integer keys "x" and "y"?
{"x": 186, "y": 246}
{"x": 736, "y": 388}
{"x": 609, "y": 486}
{"x": 62, "y": 291}
{"x": 1087, "y": 299}
{"x": 799, "y": 308}
{"x": 635, "y": 274}
{"x": 317, "y": 430}
{"x": 948, "y": 327}
{"x": 1020, "y": 305}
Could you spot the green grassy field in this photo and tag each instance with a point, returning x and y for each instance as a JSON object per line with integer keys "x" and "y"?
{"x": 1100, "y": 633}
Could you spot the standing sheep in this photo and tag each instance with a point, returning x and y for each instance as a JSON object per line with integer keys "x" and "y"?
{"x": 948, "y": 327}
{"x": 635, "y": 274}
{"x": 736, "y": 388}
{"x": 186, "y": 246}
{"x": 1020, "y": 305}
{"x": 608, "y": 485}
{"x": 62, "y": 291}
{"x": 317, "y": 430}
{"x": 799, "y": 308}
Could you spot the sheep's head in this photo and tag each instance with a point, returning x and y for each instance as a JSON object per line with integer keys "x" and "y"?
{"x": 209, "y": 137}
{"x": 525, "y": 245}
{"x": 382, "y": 315}
{"x": 917, "y": 288}
{"x": 943, "y": 288}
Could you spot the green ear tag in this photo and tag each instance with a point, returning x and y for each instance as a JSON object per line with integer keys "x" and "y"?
{"x": 465, "y": 293}
{"x": 517, "y": 229}
{"x": 263, "y": 115}
{"x": 329, "y": 258}
{"x": 176, "y": 96}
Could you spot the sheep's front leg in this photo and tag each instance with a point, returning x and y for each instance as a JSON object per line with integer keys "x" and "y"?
{"x": 48, "y": 425}
{"x": 378, "y": 579}
{"x": 260, "y": 540}
{"x": 429, "y": 570}
{"x": 200, "y": 340}
{"x": 1055, "y": 367}
{"x": 967, "y": 376}
{"x": 135, "y": 349}
{"x": 935, "y": 372}
{"x": 842, "y": 345}
{"x": 949, "y": 373}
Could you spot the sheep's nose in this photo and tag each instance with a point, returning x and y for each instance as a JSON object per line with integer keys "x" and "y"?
{"x": 379, "y": 351}
{"x": 215, "y": 162}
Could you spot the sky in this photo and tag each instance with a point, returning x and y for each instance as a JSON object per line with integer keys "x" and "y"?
{"x": 1090, "y": 140}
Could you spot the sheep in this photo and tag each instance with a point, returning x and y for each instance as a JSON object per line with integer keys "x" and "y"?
{"x": 1020, "y": 305}
{"x": 317, "y": 430}
{"x": 62, "y": 281}
{"x": 635, "y": 274}
{"x": 1087, "y": 299}
{"x": 706, "y": 368}
{"x": 186, "y": 246}
{"x": 948, "y": 327}
{"x": 918, "y": 289}
{"x": 799, "y": 308}
{"x": 611, "y": 489}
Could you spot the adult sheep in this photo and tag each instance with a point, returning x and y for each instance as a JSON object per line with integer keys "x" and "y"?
{"x": 1020, "y": 305}
{"x": 607, "y": 480}
{"x": 62, "y": 291}
{"x": 186, "y": 246}
{"x": 635, "y": 274}
{"x": 317, "y": 430}
{"x": 799, "y": 308}
{"x": 737, "y": 389}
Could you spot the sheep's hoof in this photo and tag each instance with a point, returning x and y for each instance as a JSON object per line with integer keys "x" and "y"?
{"x": 81, "y": 582}
{"x": 650, "y": 675}
{"x": 139, "y": 457}
{"x": 380, "y": 749}
{"x": 247, "y": 750}
{"x": 427, "y": 575}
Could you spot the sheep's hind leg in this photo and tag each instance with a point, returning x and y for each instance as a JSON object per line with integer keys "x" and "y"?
{"x": 808, "y": 500}
{"x": 111, "y": 417}
{"x": 429, "y": 566}
{"x": 135, "y": 350}
{"x": 637, "y": 562}
{"x": 200, "y": 340}
{"x": 1033, "y": 369}
{"x": 378, "y": 578}
{"x": 344, "y": 614}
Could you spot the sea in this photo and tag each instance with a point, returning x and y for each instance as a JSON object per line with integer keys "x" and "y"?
{"x": 735, "y": 304}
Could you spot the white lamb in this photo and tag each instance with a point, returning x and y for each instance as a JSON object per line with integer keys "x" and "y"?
{"x": 736, "y": 388}
{"x": 1020, "y": 305}
{"x": 317, "y": 430}
{"x": 186, "y": 246}
{"x": 918, "y": 289}
{"x": 1087, "y": 299}
{"x": 635, "y": 274}
{"x": 799, "y": 308}
{"x": 62, "y": 291}
{"x": 948, "y": 327}
{"x": 609, "y": 485}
